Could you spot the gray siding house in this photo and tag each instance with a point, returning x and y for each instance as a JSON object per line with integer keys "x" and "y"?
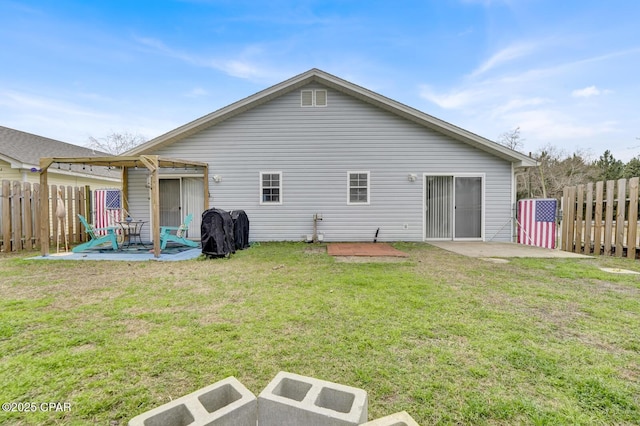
{"x": 319, "y": 145}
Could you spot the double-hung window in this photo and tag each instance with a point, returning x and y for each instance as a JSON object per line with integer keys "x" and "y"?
{"x": 358, "y": 187}
{"x": 270, "y": 187}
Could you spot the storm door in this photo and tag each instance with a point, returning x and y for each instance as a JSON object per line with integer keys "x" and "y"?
{"x": 453, "y": 207}
{"x": 468, "y": 208}
{"x": 170, "y": 202}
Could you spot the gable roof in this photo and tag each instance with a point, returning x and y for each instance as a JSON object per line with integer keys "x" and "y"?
{"x": 336, "y": 83}
{"x": 23, "y": 151}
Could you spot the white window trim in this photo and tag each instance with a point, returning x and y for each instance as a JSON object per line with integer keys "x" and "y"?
{"x": 313, "y": 98}
{"x": 351, "y": 203}
{"x": 326, "y": 98}
{"x": 270, "y": 203}
{"x": 480, "y": 175}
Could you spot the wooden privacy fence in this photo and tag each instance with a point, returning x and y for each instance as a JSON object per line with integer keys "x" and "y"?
{"x": 20, "y": 208}
{"x": 601, "y": 218}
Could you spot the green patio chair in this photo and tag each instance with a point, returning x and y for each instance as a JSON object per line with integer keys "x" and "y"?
{"x": 179, "y": 237}
{"x": 96, "y": 239}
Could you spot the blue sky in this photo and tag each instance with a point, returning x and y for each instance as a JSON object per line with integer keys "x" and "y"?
{"x": 566, "y": 72}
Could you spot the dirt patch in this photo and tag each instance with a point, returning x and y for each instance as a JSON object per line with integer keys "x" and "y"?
{"x": 369, "y": 259}
{"x": 364, "y": 249}
{"x": 315, "y": 250}
{"x": 619, "y": 271}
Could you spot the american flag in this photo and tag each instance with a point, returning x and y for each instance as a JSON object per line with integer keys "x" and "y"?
{"x": 107, "y": 207}
{"x": 537, "y": 222}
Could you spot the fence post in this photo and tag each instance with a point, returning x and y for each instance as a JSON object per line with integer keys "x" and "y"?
{"x": 571, "y": 212}
{"x": 621, "y": 206}
{"x": 17, "y": 216}
{"x": 36, "y": 212}
{"x": 6, "y": 216}
{"x": 608, "y": 217}
{"x": 564, "y": 231}
{"x": 28, "y": 217}
{"x": 597, "y": 236}
{"x": 588, "y": 215}
{"x": 580, "y": 219}
{"x": 53, "y": 220}
{"x": 69, "y": 206}
{"x": 632, "y": 231}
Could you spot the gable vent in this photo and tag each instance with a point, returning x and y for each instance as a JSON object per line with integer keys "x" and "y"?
{"x": 321, "y": 97}
{"x": 313, "y": 98}
{"x": 306, "y": 98}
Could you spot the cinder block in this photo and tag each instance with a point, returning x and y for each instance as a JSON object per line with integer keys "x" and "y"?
{"x": 223, "y": 403}
{"x": 293, "y": 400}
{"x": 398, "y": 419}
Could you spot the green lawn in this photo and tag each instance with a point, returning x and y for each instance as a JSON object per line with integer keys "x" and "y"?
{"x": 449, "y": 339}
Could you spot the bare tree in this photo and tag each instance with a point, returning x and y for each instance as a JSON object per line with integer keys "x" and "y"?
{"x": 512, "y": 139}
{"x": 558, "y": 169}
{"x": 116, "y": 143}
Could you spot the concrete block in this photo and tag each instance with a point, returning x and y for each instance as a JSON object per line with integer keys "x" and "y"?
{"x": 398, "y": 419}
{"x": 223, "y": 403}
{"x": 293, "y": 400}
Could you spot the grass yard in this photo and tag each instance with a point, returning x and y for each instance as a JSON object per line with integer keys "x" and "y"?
{"x": 449, "y": 339}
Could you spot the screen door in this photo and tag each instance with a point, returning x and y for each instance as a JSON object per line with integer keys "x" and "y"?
{"x": 453, "y": 207}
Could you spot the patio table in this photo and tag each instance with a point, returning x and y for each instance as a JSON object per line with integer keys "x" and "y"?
{"x": 132, "y": 233}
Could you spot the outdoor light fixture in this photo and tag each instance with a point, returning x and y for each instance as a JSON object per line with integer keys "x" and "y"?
{"x": 217, "y": 178}
{"x": 412, "y": 177}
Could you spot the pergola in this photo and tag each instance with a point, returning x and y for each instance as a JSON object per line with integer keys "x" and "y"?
{"x": 153, "y": 163}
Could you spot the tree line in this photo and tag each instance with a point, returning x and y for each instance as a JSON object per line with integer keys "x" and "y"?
{"x": 557, "y": 169}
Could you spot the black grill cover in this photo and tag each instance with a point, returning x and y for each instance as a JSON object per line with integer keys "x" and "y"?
{"x": 217, "y": 233}
{"x": 240, "y": 229}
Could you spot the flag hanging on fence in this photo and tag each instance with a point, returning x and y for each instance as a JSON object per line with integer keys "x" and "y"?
{"x": 107, "y": 207}
{"x": 537, "y": 222}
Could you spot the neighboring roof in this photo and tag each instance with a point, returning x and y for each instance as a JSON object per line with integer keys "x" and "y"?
{"x": 24, "y": 150}
{"x": 318, "y": 76}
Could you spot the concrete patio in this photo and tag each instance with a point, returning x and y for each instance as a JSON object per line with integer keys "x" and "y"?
{"x": 502, "y": 250}
{"x": 123, "y": 255}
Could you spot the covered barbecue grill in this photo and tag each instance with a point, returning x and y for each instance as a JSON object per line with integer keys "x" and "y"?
{"x": 216, "y": 233}
{"x": 240, "y": 229}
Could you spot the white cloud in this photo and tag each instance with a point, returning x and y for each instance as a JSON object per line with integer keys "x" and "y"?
{"x": 245, "y": 64}
{"x": 196, "y": 92}
{"x": 38, "y": 104}
{"x": 455, "y": 99}
{"x": 518, "y": 104}
{"x": 50, "y": 117}
{"x": 504, "y": 56}
{"x": 586, "y": 92}
{"x": 554, "y": 125}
